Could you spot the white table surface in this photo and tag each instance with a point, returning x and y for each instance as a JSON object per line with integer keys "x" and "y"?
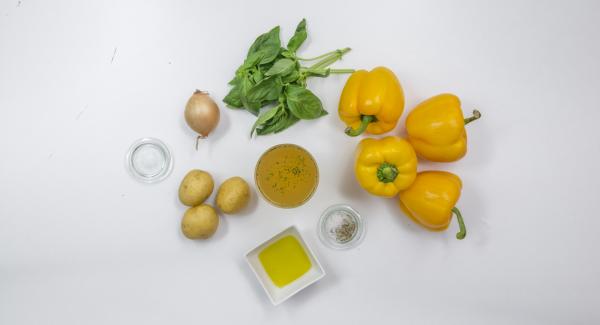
{"x": 81, "y": 242}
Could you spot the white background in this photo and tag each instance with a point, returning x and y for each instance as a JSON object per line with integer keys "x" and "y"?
{"x": 81, "y": 242}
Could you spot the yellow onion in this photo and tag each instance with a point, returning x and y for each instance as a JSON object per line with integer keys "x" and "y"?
{"x": 201, "y": 114}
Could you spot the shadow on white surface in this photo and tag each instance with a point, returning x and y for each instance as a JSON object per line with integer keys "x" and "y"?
{"x": 478, "y": 229}
{"x": 473, "y": 214}
{"x": 481, "y": 146}
{"x": 398, "y": 217}
{"x": 306, "y": 295}
{"x": 222, "y": 230}
{"x": 254, "y": 285}
{"x": 348, "y": 186}
{"x": 221, "y": 130}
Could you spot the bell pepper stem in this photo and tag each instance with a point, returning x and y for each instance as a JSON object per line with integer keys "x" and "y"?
{"x": 461, "y": 224}
{"x": 387, "y": 173}
{"x": 365, "y": 120}
{"x": 476, "y": 115}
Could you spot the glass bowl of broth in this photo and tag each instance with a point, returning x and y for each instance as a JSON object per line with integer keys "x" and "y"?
{"x": 286, "y": 175}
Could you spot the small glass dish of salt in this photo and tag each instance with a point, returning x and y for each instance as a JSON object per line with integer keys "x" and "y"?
{"x": 341, "y": 227}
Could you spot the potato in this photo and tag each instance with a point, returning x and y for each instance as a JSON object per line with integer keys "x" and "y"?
{"x": 195, "y": 187}
{"x": 200, "y": 222}
{"x": 233, "y": 195}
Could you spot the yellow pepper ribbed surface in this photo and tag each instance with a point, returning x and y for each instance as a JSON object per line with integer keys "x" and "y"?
{"x": 430, "y": 200}
{"x": 436, "y": 128}
{"x": 372, "y": 101}
{"x": 385, "y": 166}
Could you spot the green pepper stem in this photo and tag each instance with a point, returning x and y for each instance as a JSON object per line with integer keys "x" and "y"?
{"x": 365, "y": 120}
{"x": 387, "y": 172}
{"x": 461, "y": 224}
{"x": 476, "y": 115}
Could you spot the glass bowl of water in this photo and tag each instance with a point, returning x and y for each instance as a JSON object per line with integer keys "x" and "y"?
{"x": 149, "y": 160}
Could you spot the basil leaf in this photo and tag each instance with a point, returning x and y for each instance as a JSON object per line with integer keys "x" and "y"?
{"x": 264, "y": 117}
{"x": 281, "y": 67}
{"x": 303, "y": 103}
{"x": 266, "y": 45}
{"x": 268, "y": 129}
{"x": 269, "y": 125}
{"x": 287, "y": 54}
{"x": 281, "y": 121}
{"x": 290, "y": 77}
{"x": 235, "y": 81}
{"x": 257, "y": 76}
{"x": 252, "y": 60}
{"x": 265, "y": 67}
{"x": 285, "y": 123}
{"x": 299, "y": 37}
{"x": 266, "y": 90}
{"x": 233, "y": 98}
{"x": 251, "y": 106}
{"x": 264, "y": 131}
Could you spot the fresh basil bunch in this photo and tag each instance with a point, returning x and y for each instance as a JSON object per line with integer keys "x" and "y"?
{"x": 272, "y": 76}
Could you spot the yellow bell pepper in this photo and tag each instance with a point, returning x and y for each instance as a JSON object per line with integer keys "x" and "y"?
{"x": 371, "y": 101}
{"x": 436, "y": 128}
{"x": 385, "y": 166}
{"x": 430, "y": 201}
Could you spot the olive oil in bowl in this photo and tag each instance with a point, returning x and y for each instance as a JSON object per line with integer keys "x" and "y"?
{"x": 284, "y": 264}
{"x": 284, "y": 261}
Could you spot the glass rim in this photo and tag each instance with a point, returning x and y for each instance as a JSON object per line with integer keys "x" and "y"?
{"x": 165, "y": 170}
{"x": 331, "y": 243}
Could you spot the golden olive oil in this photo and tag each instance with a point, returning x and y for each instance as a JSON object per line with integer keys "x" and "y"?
{"x": 287, "y": 175}
{"x": 285, "y": 260}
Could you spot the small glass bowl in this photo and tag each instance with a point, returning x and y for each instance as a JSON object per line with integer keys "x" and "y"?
{"x": 149, "y": 160}
{"x": 324, "y": 229}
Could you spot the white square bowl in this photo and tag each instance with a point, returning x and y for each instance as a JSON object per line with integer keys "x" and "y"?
{"x": 276, "y": 294}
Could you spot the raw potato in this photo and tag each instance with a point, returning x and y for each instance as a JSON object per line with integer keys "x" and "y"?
{"x": 200, "y": 222}
{"x": 233, "y": 195}
{"x": 195, "y": 187}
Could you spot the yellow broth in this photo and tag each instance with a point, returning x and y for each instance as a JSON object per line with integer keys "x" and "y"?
{"x": 286, "y": 175}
